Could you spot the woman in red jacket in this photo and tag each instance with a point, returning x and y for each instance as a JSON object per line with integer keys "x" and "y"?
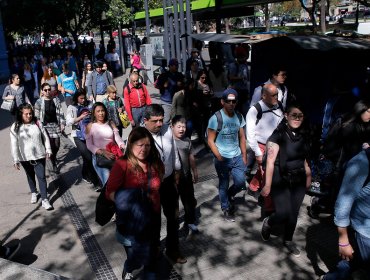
{"x": 133, "y": 185}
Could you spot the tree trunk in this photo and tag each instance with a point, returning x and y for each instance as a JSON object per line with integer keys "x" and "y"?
{"x": 267, "y": 18}
{"x": 322, "y": 16}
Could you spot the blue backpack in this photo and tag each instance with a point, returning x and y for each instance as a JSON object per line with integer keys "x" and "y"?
{"x": 81, "y": 126}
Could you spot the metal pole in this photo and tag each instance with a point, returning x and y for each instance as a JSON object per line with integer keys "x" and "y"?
{"x": 172, "y": 34}
{"x": 147, "y": 21}
{"x": 183, "y": 39}
{"x": 177, "y": 34}
{"x": 166, "y": 46}
{"x": 121, "y": 51}
{"x": 189, "y": 28}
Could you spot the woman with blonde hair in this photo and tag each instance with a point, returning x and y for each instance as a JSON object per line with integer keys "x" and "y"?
{"x": 114, "y": 106}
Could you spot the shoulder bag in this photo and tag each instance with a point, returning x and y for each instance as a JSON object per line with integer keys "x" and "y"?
{"x": 8, "y": 105}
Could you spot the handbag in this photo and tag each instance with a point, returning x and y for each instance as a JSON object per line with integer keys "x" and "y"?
{"x": 104, "y": 209}
{"x": 124, "y": 119}
{"x": 103, "y": 162}
{"x": 8, "y": 105}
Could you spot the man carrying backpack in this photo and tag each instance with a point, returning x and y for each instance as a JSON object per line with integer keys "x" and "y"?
{"x": 226, "y": 139}
{"x": 262, "y": 119}
{"x": 100, "y": 80}
{"x": 136, "y": 98}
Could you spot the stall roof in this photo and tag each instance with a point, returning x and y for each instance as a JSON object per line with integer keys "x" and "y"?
{"x": 235, "y": 39}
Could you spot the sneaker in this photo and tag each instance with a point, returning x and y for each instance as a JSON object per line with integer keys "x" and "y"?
{"x": 45, "y": 203}
{"x": 228, "y": 216}
{"x": 86, "y": 181}
{"x": 10, "y": 251}
{"x": 34, "y": 197}
{"x": 266, "y": 229}
{"x": 292, "y": 248}
{"x": 193, "y": 228}
{"x": 127, "y": 276}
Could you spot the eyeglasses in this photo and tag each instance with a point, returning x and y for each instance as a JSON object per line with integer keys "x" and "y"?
{"x": 47, "y": 89}
{"x": 231, "y": 101}
{"x": 297, "y": 116}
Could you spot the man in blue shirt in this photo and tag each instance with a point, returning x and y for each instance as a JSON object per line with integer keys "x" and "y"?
{"x": 228, "y": 146}
{"x": 100, "y": 80}
{"x": 352, "y": 209}
{"x": 67, "y": 84}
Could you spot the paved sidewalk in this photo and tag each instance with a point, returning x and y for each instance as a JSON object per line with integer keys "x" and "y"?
{"x": 68, "y": 242}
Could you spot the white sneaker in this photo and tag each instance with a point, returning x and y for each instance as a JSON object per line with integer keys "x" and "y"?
{"x": 193, "y": 228}
{"x": 34, "y": 197}
{"x": 45, "y": 203}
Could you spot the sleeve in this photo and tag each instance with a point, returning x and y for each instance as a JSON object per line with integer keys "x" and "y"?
{"x": 356, "y": 171}
{"x": 70, "y": 118}
{"x": 6, "y": 92}
{"x": 126, "y": 98}
{"x": 61, "y": 116}
{"x": 45, "y": 137}
{"x": 90, "y": 142}
{"x": 37, "y": 108}
{"x": 251, "y": 131}
{"x": 243, "y": 123}
{"x": 59, "y": 79}
{"x": 212, "y": 123}
{"x": 117, "y": 137}
{"x": 257, "y": 94}
{"x": 14, "y": 144}
{"x": 74, "y": 76}
{"x": 116, "y": 177}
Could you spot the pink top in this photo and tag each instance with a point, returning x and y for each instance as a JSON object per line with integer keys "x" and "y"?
{"x": 136, "y": 61}
{"x": 101, "y": 135}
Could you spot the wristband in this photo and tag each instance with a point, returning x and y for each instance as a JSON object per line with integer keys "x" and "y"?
{"x": 343, "y": 244}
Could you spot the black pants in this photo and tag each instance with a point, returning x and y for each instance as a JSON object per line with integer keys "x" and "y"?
{"x": 170, "y": 204}
{"x": 287, "y": 200}
{"x": 186, "y": 192}
{"x": 88, "y": 171}
{"x": 55, "y": 145}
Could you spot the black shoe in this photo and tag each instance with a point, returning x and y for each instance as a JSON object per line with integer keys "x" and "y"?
{"x": 10, "y": 251}
{"x": 266, "y": 229}
{"x": 292, "y": 248}
{"x": 176, "y": 257}
{"x": 228, "y": 216}
{"x": 231, "y": 200}
{"x": 254, "y": 194}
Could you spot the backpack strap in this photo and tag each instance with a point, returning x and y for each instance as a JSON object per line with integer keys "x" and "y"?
{"x": 260, "y": 112}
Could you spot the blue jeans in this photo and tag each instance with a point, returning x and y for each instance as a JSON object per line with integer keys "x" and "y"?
{"x": 236, "y": 167}
{"x": 103, "y": 173}
{"x": 344, "y": 268}
{"x": 138, "y": 254}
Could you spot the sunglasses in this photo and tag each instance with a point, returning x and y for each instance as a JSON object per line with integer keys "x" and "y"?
{"x": 231, "y": 101}
{"x": 47, "y": 89}
{"x": 296, "y": 116}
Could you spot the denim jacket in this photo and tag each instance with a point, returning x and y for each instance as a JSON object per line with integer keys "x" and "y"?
{"x": 353, "y": 204}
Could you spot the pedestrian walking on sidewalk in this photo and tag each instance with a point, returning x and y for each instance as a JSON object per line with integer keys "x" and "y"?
{"x": 30, "y": 146}
{"x": 287, "y": 175}
{"x": 48, "y": 110}
{"x": 134, "y": 187}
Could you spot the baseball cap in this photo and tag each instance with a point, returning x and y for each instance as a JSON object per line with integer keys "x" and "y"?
{"x": 173, "y": 61}
{"x": 228, "y": 91}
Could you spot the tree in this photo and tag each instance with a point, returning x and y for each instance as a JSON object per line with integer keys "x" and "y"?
{"x": 311, "y": 11}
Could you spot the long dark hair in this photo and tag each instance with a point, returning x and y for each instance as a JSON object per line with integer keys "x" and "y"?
{"x": 355, "y": 116}
{"x": 75, "y": 97}
{"x": 18, "y": 117}
{"x": 97, "y": 104}
{"x": 153, "y": 158}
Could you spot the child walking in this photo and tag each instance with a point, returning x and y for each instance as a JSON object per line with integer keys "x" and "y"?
{"x": 189, "y": 173}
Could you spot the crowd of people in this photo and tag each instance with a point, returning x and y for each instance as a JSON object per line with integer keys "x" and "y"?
{"x": 262, "y": 140}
